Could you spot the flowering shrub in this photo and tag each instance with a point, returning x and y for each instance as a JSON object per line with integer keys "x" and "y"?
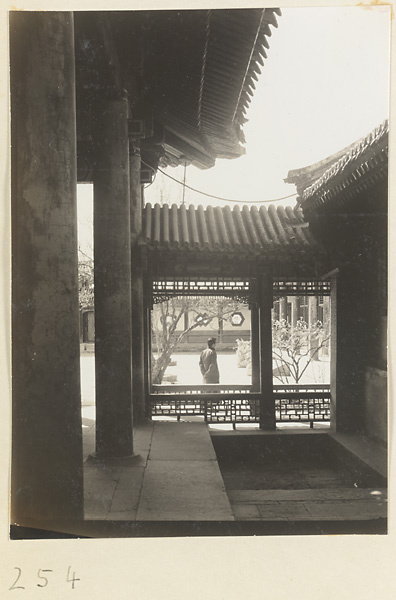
{"x": 295, "y": 347}
{"x": 243, "y": 351}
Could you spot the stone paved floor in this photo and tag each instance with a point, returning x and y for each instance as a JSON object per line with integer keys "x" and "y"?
{"x": 282, "y": 477}
{"x": 338, "y": 504}
{"x": 277, "y": 493}
{"x": 175, "y": 477}
{"x": 299, "y": 488}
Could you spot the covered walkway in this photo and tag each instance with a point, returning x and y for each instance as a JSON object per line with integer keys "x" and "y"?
{"x": 177, "y": 478}
{"x": 110, "y": 101}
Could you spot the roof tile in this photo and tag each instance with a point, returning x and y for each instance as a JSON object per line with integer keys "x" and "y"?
{"x": 222, "y": 229}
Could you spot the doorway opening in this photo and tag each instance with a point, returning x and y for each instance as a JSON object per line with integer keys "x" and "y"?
{"x": 301, "y": 352}
{"x": 185, "y": 313}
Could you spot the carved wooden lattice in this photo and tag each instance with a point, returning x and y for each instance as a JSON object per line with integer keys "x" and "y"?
{"x": 300, "y": 288}
{"x": 293, "y": 403}
{"x": 240, "y": 289}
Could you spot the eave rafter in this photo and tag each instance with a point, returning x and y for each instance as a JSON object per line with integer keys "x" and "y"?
{"x": 197, "y": 91}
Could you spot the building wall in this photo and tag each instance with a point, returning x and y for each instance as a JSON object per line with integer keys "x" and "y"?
{"x": 226, "y": 333}
{"x": 357, "y": 238}
{"x": 375, "y": 404}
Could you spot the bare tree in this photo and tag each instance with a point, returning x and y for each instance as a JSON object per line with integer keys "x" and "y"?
{"x": 85, "y": 280}
{"x": 166, "y": 319}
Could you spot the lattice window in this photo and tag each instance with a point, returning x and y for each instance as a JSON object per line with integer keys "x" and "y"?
{"x": 233, "y": 411}
{"x": 302, "y": 403}
{"x": 301, "y": 288}
{"x": 241, "y": 289}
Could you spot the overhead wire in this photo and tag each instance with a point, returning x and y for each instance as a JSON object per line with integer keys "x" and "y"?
{"x": 154, "y": 178}
{"x": 217, "y": 197}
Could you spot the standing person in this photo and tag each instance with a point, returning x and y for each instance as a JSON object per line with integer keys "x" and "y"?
{"x": 208, "y": 363}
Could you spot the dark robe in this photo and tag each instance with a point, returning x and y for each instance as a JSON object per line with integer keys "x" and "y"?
{"x": 208, "y": 366}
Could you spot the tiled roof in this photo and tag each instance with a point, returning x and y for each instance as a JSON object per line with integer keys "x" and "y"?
{"x": 234, "y": 54}
{"x": 346, "y": 173}
{"x": 222, "y": 229}
{"x": 190, "y": 76}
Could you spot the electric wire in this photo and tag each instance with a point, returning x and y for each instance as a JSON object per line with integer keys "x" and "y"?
{"x": 217, "y": 197}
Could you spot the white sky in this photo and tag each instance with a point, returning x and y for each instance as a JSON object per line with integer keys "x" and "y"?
{"x": 324, "y": 85}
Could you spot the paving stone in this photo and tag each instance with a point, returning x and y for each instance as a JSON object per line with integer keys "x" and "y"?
{"x": 183, "y": 490}
{"x": 258, "y": 496}
{"x": 100, "y": 477}
{"x": 176, "y": 484}
{"x": 125, "y": 500}
{"x": 182, "y": 442}
{"x": 347, "y": 510}
{"x": 295, "y": 510}
{"x": 96, "y": 507}
{"x": 93, "y": 515}
{"x": 131, "y": 478}
{"x": 142, "y": 438}
{"x": 98, "y": 494}
{"x": 99, "y": 486}
{"x": 122, "y": 516}
{"x": 245, "y": 511}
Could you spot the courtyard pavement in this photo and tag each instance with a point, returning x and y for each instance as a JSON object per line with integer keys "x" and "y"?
{"x": 186, "y": 371}
{"x": 176, "y": 476}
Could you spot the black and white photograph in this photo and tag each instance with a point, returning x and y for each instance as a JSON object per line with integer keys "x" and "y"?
{"x": 199, "y": 286}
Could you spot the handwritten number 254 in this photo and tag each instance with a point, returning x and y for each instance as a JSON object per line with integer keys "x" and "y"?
{"x": 43, "y": 578}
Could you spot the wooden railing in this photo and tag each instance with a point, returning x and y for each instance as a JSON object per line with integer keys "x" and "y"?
{"x": 240, "y": 404}
{"x": 302, "y": 403}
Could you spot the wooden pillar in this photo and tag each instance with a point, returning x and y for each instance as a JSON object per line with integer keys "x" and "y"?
{"x": 255, "y": 346}
{"x": 275, "y": 310}
{"x": 140, "y": 410}
{"x": 326, "y": 323}
{"x": 312, "y": 310}
{"x": 333, "y": 346}
{"x": 46, "y": 481}
{"x": 348, "y": 351}
{"x": 283, "y": 308}
{"x": 136, "y": 197}
{"x": 267, "y": 403}
{"x": 312, "y": 320}
{"x": 112, "y": 247}
{"x": 147, "y": 349}
{"x": 295, "y": 308}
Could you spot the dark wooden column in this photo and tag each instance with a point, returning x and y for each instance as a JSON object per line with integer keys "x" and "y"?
{"x": 326, "y": 322}
{"x": 255, "y": 346}
{"x": 47, "y": 482}
{"x": 147, "y": 346}
{"x": 138, "y": 310}
{"x": 112, "y": 247}
{"x": 267, "y": 404}
{"x": 349, "y": 350}
{"x": 333, "y": 352}
{"x": 312, "y": 319}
